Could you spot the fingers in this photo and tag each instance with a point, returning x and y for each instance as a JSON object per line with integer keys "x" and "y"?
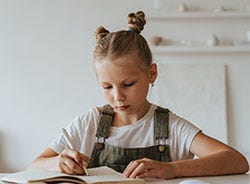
{"x": 129, "y": 169}
{"x": 147, "y": 174}
{"x": 70, "y": 168}
{"x": 72, "y": 162}
{"x": 146, "y": 168}
{"x": 79, "y": 158}
{"x": 68, "y": 165}
{"x": 137, "y": 168}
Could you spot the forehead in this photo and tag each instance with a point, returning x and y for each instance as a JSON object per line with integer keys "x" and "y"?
{"x": 119, "y": 69}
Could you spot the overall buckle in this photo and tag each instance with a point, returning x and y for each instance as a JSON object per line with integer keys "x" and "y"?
{"x": 161, "y": 142}
{"x": 100, "y": 143}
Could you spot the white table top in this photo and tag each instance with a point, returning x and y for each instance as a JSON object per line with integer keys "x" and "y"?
{"x": 230, "y": 179}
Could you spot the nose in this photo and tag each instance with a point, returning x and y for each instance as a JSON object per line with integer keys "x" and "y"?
{"x": 119, "y": 95}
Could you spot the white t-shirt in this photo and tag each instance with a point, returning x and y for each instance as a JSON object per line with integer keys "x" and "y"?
{"x": 82, "y": 132}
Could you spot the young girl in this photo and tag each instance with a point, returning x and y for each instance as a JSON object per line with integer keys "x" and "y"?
{"x": 130, "y": 134}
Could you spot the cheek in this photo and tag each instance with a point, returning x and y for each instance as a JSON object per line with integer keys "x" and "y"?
{"x": 144, "y": 88}
{"x": 140, "y": 92}
{"x": 107, "y": 94}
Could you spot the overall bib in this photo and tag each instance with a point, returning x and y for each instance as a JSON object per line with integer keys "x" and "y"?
{"x": 117, "y": 157}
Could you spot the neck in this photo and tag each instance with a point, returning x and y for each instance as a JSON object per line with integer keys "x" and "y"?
{"x": 123, "y": 119}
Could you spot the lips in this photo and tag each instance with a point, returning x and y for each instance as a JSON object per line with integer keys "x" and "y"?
{"x": 122, "y": 108}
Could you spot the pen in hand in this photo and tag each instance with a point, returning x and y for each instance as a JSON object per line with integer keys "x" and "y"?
{"x": 67, "y": 138}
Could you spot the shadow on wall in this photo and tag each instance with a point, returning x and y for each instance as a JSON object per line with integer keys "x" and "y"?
{"x": 3, "y": 164}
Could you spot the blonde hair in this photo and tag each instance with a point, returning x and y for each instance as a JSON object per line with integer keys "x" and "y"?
{"x": 113, "y": 45}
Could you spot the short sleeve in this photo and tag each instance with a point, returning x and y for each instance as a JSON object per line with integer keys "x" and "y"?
{"x": 182, "y": 133}
{"x": 74, "y": 130}
{"x": 81, "y": 131}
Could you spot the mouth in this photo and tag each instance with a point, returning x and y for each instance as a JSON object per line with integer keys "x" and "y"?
{"x": 122, "y": 108}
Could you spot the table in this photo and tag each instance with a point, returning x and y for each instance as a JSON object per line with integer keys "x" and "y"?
{"x": 230, "y": 179}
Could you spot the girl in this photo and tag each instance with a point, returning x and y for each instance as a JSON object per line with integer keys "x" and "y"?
{"x": 130, "y": 134}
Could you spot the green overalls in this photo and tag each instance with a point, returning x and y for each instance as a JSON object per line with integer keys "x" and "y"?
{"x": 117, "y": 157}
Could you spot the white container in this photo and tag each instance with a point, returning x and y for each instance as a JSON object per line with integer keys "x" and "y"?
{"x": 183, "y": 7}
{"x": 220, "y": 9}
{"x": 213, "y": 41}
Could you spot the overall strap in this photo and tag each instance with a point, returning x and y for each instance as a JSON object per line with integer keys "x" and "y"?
{"x": 105, "y": 122}
{"x": 161, "y": 123}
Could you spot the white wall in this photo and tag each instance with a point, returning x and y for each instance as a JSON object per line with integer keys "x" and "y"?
{"x": 46, "y": 75}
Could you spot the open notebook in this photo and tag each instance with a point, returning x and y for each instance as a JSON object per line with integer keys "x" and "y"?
{"x": 99, "y": 175}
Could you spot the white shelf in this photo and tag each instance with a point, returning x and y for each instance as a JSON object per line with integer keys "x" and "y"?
{"x": 178, "y": 15}
{"x": 203, "y": 49}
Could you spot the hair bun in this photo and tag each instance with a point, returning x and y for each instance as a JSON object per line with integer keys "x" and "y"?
{"x": 100, "y": 33}
{"x": 136, "y": 21}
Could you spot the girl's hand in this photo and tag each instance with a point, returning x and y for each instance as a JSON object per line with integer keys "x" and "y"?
{"x": 71, "y": 161}
{"x": 148, "y": 168}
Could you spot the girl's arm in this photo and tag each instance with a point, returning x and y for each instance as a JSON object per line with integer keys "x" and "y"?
{"x": 69, "y": 161}
{"x": 215, "y": 158}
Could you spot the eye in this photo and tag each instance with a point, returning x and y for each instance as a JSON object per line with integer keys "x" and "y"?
{"x": 106, "y": 87}
{"x": 128, "y": 84}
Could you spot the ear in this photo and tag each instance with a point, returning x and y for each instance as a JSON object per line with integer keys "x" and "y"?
{"x": 153, "y": 73}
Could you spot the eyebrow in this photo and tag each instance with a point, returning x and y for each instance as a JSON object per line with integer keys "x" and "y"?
{"x": 124, "y": 81}
{"x": 105, "y": 83}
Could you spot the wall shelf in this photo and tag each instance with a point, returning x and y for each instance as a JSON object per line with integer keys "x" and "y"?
{"x": 200, "y": 49}
{"x": 179, "y": 15}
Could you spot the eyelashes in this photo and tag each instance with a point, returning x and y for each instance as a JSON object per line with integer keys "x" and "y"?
{"x": 124, "y": 85}
{"x": 129, "y": 84}
{"x": 106, "y": 87}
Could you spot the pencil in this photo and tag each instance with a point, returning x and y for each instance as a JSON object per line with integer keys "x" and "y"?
{"x": 67, "y": 138}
